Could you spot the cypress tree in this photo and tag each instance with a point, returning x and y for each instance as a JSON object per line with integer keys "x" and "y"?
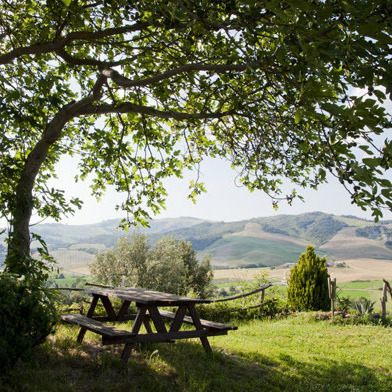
{"x": 308, "y": 283}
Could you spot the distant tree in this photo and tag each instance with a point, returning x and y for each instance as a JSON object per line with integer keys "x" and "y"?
{"x": 169, "y": 267}
{"x": 308, "y": 283}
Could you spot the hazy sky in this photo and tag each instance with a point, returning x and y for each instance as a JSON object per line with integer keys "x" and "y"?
{"x": 224, "y": 201}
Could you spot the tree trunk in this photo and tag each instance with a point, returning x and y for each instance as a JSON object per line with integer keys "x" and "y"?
{"x": 19, "y": 243}
{"x": 19, "y": 240}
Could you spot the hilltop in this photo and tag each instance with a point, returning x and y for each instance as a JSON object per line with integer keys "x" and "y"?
{"x": 258, "y": 242}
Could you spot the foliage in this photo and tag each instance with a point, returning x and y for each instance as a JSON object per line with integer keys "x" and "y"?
{"x": 375, "y": 232}
{"x": 363, "y": 306}
{"x": 69, "y": 297}
{"x": 27, "y": 315}
{"x": 169, "y": 267}
{"x": 247, "y": 308}
{"x": 308, "y": 283}
{"x": 280, "y": 89}
{"x": 265, "y": 85}
{"x": 344, "y": 304}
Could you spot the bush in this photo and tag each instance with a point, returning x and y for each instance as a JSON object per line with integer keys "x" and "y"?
{"x": 27, "y": 316}
{"x": 247, "y": 308}
{"x": 308, "y": 283}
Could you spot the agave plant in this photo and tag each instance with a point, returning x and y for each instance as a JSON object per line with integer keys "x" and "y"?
{"x": 363, "y": 305}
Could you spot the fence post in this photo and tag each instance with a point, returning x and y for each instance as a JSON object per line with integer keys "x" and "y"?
{"x": 332, "y": 295}
{"x": 384, "y": 300}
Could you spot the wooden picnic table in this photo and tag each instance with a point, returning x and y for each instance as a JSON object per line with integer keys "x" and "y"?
{"x": 148, "y": 303}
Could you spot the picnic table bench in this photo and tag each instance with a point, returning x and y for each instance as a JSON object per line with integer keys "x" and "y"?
{"x": 147, "y": 303}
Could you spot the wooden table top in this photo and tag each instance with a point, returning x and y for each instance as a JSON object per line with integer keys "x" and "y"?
{"x": 146, "y": 297}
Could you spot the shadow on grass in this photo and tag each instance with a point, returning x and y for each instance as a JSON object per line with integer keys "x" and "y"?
{"x": 231, "y": 371}
{"x": 63, "y": 365}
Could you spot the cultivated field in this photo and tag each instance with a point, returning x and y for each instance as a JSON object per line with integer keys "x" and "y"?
{"x": 346, "y": 245}
{"x": 358, "y": 269}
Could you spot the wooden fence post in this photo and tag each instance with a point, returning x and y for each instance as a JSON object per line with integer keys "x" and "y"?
{"x": 332, "y": 295}
{"x": 384, "y": 300}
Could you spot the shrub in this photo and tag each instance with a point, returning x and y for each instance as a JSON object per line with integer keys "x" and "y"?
{"x": 247, "y": 308}
{"x": 308, "y": 283}
{"x": 27, "y": 316}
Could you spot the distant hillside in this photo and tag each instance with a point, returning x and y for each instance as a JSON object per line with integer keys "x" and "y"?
{"x": 316, "y": 227}
{"x": 265, "y": 241}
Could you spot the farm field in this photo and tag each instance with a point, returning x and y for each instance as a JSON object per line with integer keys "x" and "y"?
{"x": 293, "y": 354}
{"x": 358, "y": 269}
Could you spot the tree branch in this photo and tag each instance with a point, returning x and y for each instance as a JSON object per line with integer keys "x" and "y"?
{"x": 59, "y": 44}
{"x": 128, "y": 107}
{"x": 217, "y": 68}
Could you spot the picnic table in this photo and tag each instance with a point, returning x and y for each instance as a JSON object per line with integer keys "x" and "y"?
{"x": 148, "y": 303}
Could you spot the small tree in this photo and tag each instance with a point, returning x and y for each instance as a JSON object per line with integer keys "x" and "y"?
{"x": 308, "y": 284}
{"x": 170, "y": 266}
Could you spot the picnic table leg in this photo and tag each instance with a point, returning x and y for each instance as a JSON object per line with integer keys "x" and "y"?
{"x": 135, "y": 329}
{"x": 90, "y": 313}
{"x": 197, "y": 324}
{"x": 123, "y": 310}
{"x": 146, "y": 323}
{"x": 156, "y": 318}
{"x": 108, "y": 307}
{"x": 178, "y": 318}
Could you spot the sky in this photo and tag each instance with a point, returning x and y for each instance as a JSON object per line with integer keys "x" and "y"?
{"x": 224, "y": 201}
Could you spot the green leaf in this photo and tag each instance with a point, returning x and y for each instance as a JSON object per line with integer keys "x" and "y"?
{"x": 67, "y": 2}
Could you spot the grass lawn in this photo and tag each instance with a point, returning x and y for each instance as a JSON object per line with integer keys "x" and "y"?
{"x": 281, "y": 355}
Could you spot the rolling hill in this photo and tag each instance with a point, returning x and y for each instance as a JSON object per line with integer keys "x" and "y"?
{"x": 258, "y": 242}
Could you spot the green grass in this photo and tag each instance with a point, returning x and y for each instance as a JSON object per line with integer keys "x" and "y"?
{"x": 284, "y": 355}
{"x": 363, "y": 284}
{"x": 370, "y": 289}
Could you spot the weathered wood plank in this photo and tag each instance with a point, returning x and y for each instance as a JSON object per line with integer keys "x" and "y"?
{"x": 204, "y": 323}
{"x": 127, "y": 317}
{"x": 95, "y": 326}
{"x": 162, "y": 337}
{"x": 146, "y": 297}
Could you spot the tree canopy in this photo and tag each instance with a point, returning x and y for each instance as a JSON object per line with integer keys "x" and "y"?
{"x": 170, "y": 266}
{"x": 141, "y": 90}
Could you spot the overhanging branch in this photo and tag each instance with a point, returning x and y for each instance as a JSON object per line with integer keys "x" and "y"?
{"x": 58, "y": 45}
{"x": 217, "y": 68}
{"x": 128, "y": 107}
